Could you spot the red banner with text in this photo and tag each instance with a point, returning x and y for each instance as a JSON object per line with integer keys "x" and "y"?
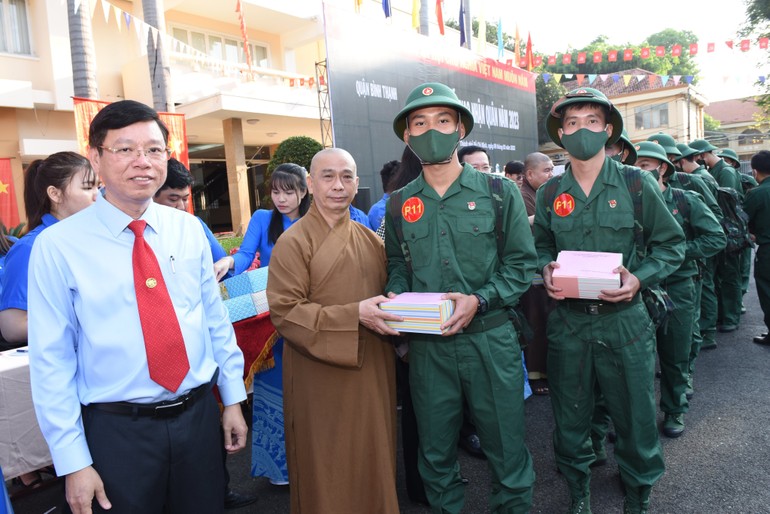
{"x": 9, "y": 210}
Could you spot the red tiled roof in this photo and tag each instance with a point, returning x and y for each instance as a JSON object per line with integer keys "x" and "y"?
{"x": 733, "y": 111}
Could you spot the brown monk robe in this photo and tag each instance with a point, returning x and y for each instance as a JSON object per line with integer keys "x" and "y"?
{"x": 338, "y": 377}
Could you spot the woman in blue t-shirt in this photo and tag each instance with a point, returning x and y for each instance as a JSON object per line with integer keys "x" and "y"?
{"x": 288, "y": 191}
{"x": 54, "y": 188}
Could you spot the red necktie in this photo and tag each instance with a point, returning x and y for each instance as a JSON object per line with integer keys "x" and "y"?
{"x": 163, "y": 340}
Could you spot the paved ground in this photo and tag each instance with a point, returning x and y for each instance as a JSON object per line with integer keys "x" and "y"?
{"x": 720, "y": 465}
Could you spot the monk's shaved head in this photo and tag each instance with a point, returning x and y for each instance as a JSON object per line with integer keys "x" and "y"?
{"x": 321, "y": 158}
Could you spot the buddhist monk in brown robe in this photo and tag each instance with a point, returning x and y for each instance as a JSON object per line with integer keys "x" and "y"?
{"x": 325, "y": 281}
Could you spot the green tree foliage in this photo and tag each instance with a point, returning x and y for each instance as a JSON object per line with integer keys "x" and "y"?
{"x": 297, "y": 149}
{"x": 547, "y": 94}
{"x": 710, "y": 123}
{"x": 758, "y": 24}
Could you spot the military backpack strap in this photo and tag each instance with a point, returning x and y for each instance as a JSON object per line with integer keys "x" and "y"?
{"x": 685, "y": 180}
{"x": 394, "y": 207}
{"x": 496, "y": 191}
{"x": 683, "y": 206}
{"x": 633, "y": 178}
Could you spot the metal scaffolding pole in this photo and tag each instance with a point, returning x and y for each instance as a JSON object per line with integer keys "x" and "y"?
{"x": 324, "y": 104}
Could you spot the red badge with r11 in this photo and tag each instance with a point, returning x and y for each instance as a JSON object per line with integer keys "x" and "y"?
{"x": 564, "y": 204}
{"x": 413, "y": 209}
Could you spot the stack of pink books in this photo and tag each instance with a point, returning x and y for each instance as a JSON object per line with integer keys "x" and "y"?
{"x": 584, "y": 274}
{"x": 423, "y": 313}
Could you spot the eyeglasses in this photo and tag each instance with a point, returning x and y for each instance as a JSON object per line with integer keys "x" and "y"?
{"x": 127, "y": 153}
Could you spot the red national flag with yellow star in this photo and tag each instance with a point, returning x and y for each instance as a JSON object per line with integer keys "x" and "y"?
{"x": 9, "y": 210}
{"x": 86, "y": 109}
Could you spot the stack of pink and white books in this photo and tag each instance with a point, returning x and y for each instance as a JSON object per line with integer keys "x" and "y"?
{"x": 423, "y": 313}
{"x": 584, "y": 274}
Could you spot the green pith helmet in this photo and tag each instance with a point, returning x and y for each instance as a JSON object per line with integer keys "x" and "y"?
{"x": 581, "y": 95}
{"x": 686, "y": 150}
{"x": 667, "y": 142}
{"x": 631, "y": 159}
{"x": 431, "y": 94}
{"x": 702, "y": 146}
{"x": 730, "y": 154}
{"x": 654, "y": 151}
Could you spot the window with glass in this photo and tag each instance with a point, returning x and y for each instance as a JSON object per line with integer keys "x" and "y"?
{"x": 14, "y": 27}
{"x": 651, "y": 116}
{"x": 222, "y": 47}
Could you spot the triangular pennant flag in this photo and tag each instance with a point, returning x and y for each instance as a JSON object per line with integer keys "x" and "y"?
{"x": 138, "y": 27}
{"x": 627, "y": 79}
{"x": 145, "y": 32}
{"x": 615, "y": 77}
{"x": 117, "y": 17}
{"x": 762, "y": 79}
{"x": 688, "y": 79}
{"x": 603, "y": 76}
{"x": 77, "y": 6}
{"x": 729, "y": 44}
{"x": 569, "y": 76}
{"x": 580, "y": 78}
{"x": 106, "y": 10}
{"x": 127, "y": 18}
{"x": 663, "y": 80}
{"x": 546, "y": 77}
{"x": 591, "y": 78}
{"x": 640, "y": 78}
{"x": 557, "y": 77}
{"x": 677, "y": 78}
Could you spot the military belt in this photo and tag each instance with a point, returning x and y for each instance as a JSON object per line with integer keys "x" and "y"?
{"x": 596, "y": 308}
{"x": 488, "y": 322}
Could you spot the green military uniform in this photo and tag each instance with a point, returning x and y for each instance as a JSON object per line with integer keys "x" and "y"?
{"x": 707, "y": 323}
{"x": 707, "y": 187}
{"x": 453, "y": 248}
{"x": 705, "y": 238}
{"x": 612, "y": 344}
{"x": 748, "y": 183}
{"x": 757, "y": 206}
{"x": 728, "y": 270}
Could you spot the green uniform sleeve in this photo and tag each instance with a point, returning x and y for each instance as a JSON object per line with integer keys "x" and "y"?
{"x": 708, "y": 237}
{"x": 517, "y": 254}
{"x": 544, "y": 239}
{"x": 663, "y": 237}
{"x": 708, "y": 196}
{"x": 398, "y": 273}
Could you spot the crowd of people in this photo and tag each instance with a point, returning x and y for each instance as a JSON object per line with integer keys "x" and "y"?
{"x": 123, "y": 363}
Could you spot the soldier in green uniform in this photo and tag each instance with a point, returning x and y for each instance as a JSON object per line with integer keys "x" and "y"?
{"x": 747, "y": 183}
{"x": 707, "y": 322}
{"x": 609, "y": 341}
{"x": 757, "y": 206}
{"x": 440, "y": 236}
{"x": 622, "y": 150}
{"x": 705, "y": 238}
{"x": 727, "y": 277}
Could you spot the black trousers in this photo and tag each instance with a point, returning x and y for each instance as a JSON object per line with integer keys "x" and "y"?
{"x": 159, "y": 465}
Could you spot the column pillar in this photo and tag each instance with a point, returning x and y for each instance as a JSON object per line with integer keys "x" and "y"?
{"x": 237, "y": 179}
